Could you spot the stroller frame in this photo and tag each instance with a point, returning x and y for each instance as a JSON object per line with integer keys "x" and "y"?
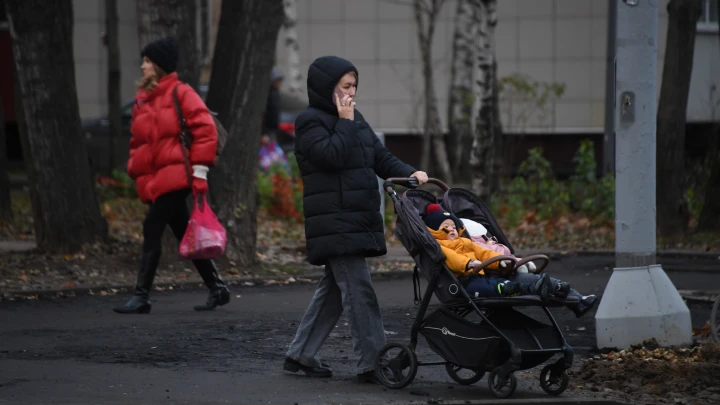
{"x": 502, "y": 381}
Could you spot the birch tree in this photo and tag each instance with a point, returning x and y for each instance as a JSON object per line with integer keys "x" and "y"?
{"x": 65, "y": 209}
{"x": 460, "y": 112}
{"x": 426, "y": 13}
{"x": 294, "y": 75}
{"x": 486, "y": 151}
{"x": 672, "y": 208}
{"x": 242, "y": 62}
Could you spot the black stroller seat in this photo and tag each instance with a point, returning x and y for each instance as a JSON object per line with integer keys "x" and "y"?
{"x": 503, "y": 341}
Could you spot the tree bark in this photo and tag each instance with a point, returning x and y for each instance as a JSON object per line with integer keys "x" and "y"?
{"x": 244, "y": 56}
{"x": 157, "y": 19}
{"x": 65, "y": 209}
{"x": 672, "y": 210}
{"x": 114, "y": 102}
{"x": 5, "y": 201}
{"x": 461, "y": 98}
{"x": 426, "y": 12}
{"x": 486, "y": 152}
{"x": 710, "y": 214}
{"x": 294, "y": 76}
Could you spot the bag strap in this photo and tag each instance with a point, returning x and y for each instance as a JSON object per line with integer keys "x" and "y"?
{"x": 184, "y": 133}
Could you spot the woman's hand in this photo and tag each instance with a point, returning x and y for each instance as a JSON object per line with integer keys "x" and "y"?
{"x": 422, "y": 177}
{"x": 346, "y": 107}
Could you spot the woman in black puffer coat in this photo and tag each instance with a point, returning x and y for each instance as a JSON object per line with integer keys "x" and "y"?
{"x": 340, "y": 157}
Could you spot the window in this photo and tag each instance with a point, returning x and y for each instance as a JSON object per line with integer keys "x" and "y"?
{"x": 4, "y": 25}
{"x": 709, "y": 18}
{"x": 203, "y": 14}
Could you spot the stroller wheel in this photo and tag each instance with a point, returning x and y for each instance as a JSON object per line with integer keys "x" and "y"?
{"x": 396, "y": 365}
{"x": 472, "y": 376}
{"x": 554, "y": 380}
{"x": 499, "y": 388}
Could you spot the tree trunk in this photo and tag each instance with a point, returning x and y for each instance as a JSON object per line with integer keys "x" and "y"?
{"x": 157, "y": 19}
{"x": 244, "y": 56}
{"x": 672, "y": 209}
{"x": 294, "y": 76}
{"x": 425, "y": 19}
{"x": 710, "y": 215}
{"x": 460, "y": 106}
{"x": 484, "y": 157}
{"x": 114, "y": 103}
{"x": 5, "y": 207}
{"x": 65, "y": 209}
{"x": 709, "y": 219}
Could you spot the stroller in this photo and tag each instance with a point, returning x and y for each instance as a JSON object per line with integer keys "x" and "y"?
{"x": 503, "y": 341}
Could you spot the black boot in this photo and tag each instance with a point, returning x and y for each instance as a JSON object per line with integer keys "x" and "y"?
{"x": 584, "y": 306}
{"x": 136, "y": 305}
{"x": 219, "y": 292}
{"x": 562, "y": 290}
{"x": 140, "y": 304}
{"x": 542, "y": 288}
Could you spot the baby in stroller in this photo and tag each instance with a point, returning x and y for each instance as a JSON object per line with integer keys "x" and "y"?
{"x": 463, "y": 257}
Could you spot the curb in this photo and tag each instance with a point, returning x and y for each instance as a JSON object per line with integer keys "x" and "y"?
{"x": 512, "y": 401}
{"x": 699, "y": 296}
{"x": 245, "y": 281}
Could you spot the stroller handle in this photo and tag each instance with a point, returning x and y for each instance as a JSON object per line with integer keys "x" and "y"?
{"x": 412, "y": 182}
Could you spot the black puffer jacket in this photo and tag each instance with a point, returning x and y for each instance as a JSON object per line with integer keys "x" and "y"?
{"x": 339, "y": 160}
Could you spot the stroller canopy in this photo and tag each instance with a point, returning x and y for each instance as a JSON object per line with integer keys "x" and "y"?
{"x": 465, "y": 204}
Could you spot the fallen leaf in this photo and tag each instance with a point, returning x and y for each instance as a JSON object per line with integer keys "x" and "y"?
{"x": 703, "y": 332}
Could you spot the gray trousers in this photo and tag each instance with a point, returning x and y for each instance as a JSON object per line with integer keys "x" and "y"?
{"x": 345, "y": 286}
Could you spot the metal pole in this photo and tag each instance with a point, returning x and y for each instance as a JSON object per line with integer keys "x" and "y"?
{"x": 381, "y": 136}
{"x": 640, "y": 302}
{"x": 608, "y": 165}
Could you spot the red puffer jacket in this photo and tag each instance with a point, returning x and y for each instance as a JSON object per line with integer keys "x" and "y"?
{"x": 156, "y": 158}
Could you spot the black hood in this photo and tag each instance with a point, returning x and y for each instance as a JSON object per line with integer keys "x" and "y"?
{"x": 323, "y": 75}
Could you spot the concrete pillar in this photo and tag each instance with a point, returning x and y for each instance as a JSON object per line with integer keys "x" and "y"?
{"x": 640, "y": 301}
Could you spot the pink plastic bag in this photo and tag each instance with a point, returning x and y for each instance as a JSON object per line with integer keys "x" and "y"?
{"x": 205, "y": 237}
{"x": 493, "y": 245}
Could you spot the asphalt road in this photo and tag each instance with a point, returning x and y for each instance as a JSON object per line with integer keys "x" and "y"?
{"x": 77, "y": 351}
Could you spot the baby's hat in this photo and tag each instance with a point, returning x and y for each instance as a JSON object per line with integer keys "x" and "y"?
{"x": 435, "y": 215}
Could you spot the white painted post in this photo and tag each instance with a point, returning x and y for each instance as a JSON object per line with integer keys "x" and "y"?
{"x": 640, "y": 302}
{"x": 381, "y": 136}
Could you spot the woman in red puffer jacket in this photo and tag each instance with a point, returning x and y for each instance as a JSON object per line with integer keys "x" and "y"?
{"x": 158, "y": 167}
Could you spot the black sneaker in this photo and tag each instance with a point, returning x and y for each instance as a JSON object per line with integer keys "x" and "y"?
{"x": 510, "y": 289}
{"x": 294, "y": 366}
{"x": 370, "y": 377}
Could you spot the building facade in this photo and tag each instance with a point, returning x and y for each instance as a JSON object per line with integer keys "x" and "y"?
{"x": 548, "y": 41}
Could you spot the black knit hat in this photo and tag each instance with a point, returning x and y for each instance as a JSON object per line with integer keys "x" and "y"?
{"x": 436, "y": 215}
{"x": 163, "y": 52}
